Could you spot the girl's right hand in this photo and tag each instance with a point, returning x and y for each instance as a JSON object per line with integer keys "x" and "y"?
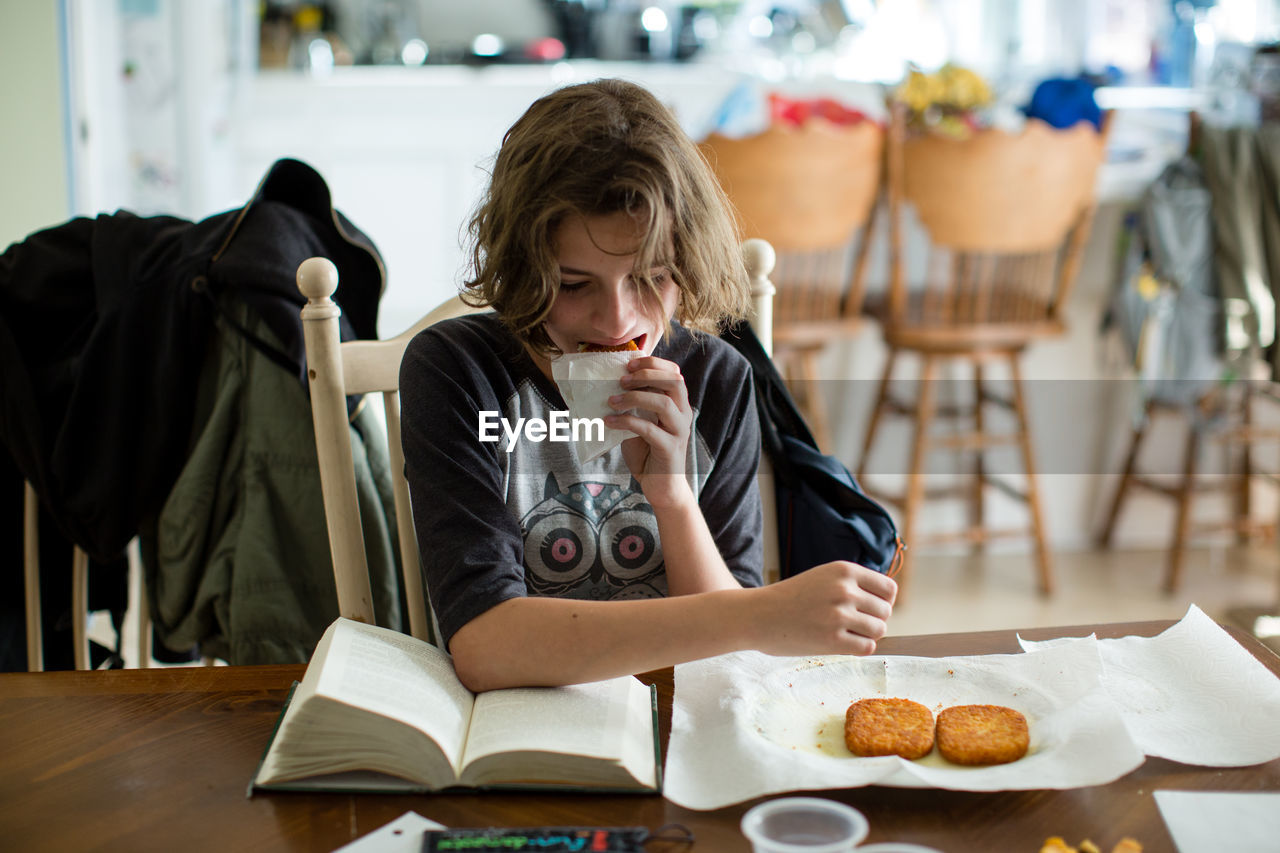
{"x": 834, "y": 608}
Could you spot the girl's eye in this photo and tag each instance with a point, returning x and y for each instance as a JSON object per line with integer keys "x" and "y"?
{"x": 658, "y": 276}
{"x": 571, "y": 286}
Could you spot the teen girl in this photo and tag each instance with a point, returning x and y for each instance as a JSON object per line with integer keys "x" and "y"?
{"x": 602, "y": 225}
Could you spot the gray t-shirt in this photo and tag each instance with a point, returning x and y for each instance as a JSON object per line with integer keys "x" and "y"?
{"x": 494, "y": 524}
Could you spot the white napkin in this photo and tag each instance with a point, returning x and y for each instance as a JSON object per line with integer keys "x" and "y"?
{"x": 402, "y": 835}
{"x": 1210, "y": 822}
{"x": 587, "y": 380}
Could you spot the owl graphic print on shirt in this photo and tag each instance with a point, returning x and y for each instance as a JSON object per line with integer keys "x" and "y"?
{"x": 592, "y": 539}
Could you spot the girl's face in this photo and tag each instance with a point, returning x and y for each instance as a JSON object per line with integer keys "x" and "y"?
{"x": 599, "y": 301}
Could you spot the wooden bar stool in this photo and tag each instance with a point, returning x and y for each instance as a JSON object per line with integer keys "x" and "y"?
{"x": 1225, "y": 417}
{"x": 810, "y": 191}
{"x": 1003, "y": 219}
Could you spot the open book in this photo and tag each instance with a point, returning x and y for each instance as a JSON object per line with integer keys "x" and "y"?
{"x": 380, "y": 710}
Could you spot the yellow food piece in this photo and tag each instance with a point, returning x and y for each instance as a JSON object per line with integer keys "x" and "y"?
{"x": 1056, "y": 844}
{"x": 629, "y": 346}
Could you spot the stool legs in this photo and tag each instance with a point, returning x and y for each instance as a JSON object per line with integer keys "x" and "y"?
{"x": 877, "y": 412}
{"x": 1126, "y": 480}
{"x": 976, "y": 513}
{"x": 1043, "y": 562}
{"x": 1244, "y": 502}
{"x": 925, "y": 411}
{"x": 1182, "y": 523}
{"x": 1184, "y": 491}
{"x": 798, "y": 366}
{"x": 915, "y": 469}
{"x": 811, "y": 397}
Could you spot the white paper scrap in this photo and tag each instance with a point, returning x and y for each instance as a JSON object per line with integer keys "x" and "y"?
{"x": 402, "y": 835}
{"x": 746, "y": 724}
{"x": 1192, "y": 694}
{"x": 1210, "y": 822}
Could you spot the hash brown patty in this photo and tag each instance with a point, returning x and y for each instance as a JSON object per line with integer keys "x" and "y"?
{"x": 982, "y": 734}
{"x": 888, "y": 727}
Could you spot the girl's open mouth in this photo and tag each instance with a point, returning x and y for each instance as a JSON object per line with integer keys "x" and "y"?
{"x": 633, "y": 345}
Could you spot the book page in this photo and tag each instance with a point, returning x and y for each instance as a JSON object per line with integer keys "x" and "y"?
{"x": 611, "y": 720}
{"x": 397, "y": 676}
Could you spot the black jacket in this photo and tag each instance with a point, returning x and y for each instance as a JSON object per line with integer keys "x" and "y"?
{"x": 104, "y": 325}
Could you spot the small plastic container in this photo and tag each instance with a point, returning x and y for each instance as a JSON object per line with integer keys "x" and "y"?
{"x": 804, "y": 825}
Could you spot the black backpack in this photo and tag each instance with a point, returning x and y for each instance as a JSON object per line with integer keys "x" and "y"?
{"x": 823, "y": 514}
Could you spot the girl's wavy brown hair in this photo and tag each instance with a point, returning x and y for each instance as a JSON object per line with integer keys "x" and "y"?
{"x": 589, "y": 150}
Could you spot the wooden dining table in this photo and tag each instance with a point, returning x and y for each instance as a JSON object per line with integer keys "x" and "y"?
{"x": 160, "y": 759}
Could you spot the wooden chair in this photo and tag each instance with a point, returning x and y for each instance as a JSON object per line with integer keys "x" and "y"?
{"x": 1004, "y": 219}
{"x": 79, "y": 595}
{"x": 810, "y": 191}
{"x": 336, "y": 369}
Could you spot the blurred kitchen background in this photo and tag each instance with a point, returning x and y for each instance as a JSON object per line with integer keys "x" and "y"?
{"x": 180, "y": 106}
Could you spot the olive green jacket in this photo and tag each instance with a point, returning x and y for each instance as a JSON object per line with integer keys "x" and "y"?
{"x": 237, "y": 563}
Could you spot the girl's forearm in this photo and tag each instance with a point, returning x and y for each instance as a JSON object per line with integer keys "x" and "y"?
{"x": 693, "y": 562}
{"x": 835, "y": 608}
{"x": 553, "y": 641}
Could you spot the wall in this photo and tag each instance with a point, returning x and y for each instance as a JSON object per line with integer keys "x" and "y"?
{"x": 33, "y": 160}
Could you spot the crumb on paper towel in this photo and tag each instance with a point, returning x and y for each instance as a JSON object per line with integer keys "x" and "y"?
{"x": 1056, "y": 844}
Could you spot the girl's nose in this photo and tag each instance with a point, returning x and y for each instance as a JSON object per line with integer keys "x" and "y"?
{"x": 616, "y": 310}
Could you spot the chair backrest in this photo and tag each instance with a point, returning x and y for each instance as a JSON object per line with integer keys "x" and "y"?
{"x": 760, "y": 258}
{"x": 336, "y": 369}
{"x": 810, "y": 191}
{"x": 1006, "y": 216}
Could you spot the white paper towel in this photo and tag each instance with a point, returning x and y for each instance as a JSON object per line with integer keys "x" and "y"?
{"x": 747, "y": 724}
{"x": 1191, "y": 694}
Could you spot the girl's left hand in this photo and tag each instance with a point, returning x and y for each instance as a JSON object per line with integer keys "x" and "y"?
{"x": 657, "y": 456}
